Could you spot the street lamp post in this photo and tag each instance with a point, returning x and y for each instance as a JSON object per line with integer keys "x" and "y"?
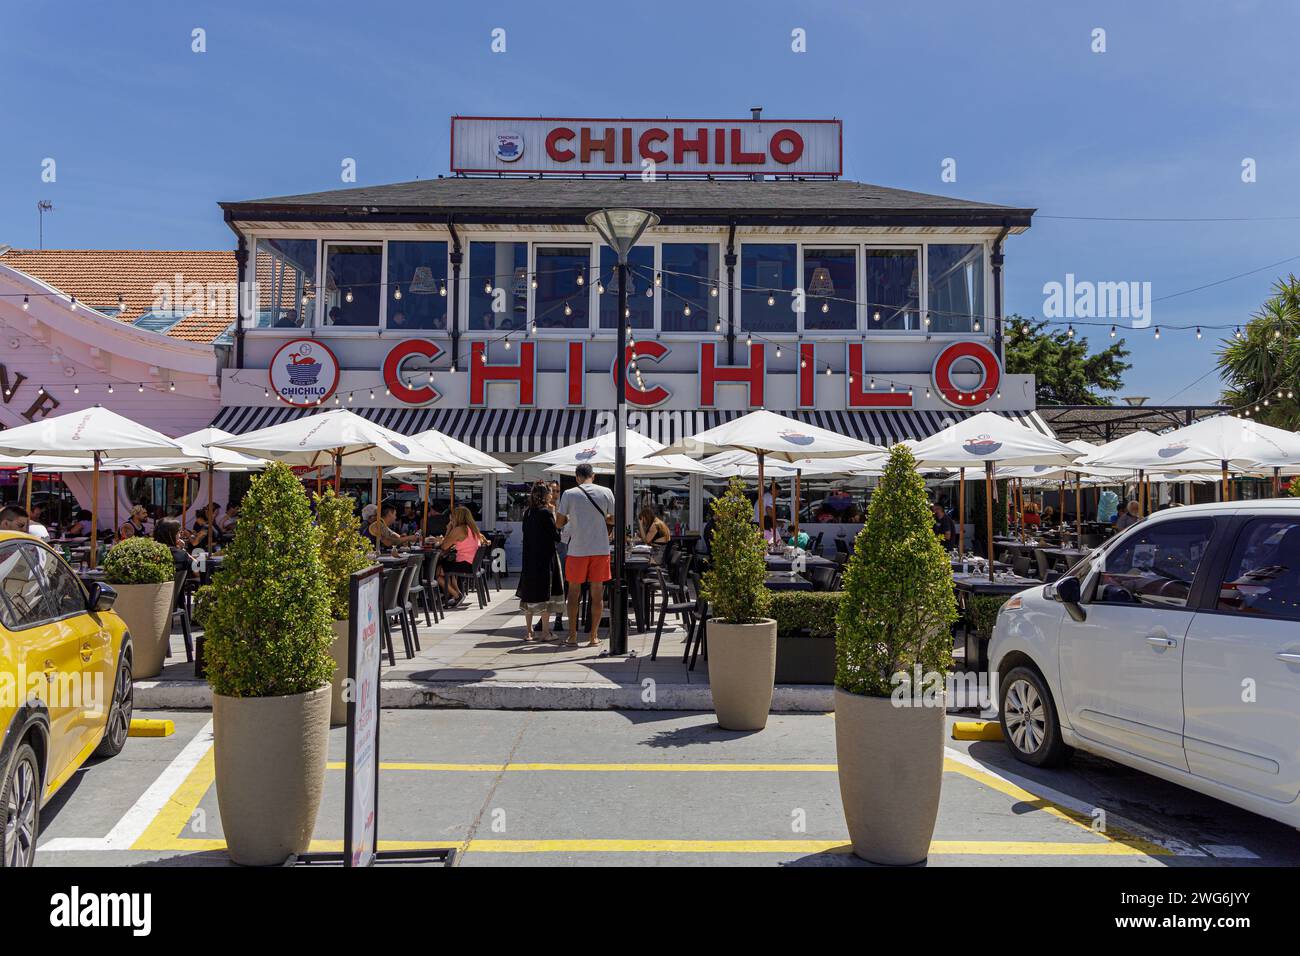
{"x": 620, "y": 229}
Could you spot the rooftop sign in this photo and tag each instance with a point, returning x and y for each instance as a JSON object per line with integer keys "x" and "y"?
{"x": 560, "y": 145}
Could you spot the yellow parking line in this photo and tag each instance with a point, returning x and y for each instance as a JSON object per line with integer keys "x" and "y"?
{"x": 172, "y": 819}
{"x": 605, "y": 767}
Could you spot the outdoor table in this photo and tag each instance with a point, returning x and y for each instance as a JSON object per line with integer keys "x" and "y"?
{"x": 968, "y": 586}
{"x": 970, "y": 563}
{"x": 786, "y": 581}
{"x": 636, "y": 564}
{"x": 779, "y": 562}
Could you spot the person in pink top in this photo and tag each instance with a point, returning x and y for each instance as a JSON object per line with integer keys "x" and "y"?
{"x": 459, "y": 546}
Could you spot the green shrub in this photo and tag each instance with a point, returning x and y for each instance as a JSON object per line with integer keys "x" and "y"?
{"x": 813, "y": 612}
{"x": 342, "y": 549}
{"x": 898, "y": 606}
{"x": 268, "y": 627}
{"x": 982, "y": 612}
{"x": 139, "y": 561}
{"x": 201, "y": 604}
{"x": 734, "y": 583}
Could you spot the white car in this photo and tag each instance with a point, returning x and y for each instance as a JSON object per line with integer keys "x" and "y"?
{"x": 1174, "y": 649}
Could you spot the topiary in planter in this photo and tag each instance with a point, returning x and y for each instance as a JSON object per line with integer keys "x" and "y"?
{"x": 895, "y": 616}
{"x": 734, "y": 583}
{"x": 898, "y": 606}
{"x": 343, "y": 551}
{"x": 139, "y": 561}
{"x": 268, "y": 623}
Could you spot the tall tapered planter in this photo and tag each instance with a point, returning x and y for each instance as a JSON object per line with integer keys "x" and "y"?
{"x": 270, "y": 772}
{"x": 147, "y": 611}
{"x": 742, "y": 672}
{"x": 890, "y": 769}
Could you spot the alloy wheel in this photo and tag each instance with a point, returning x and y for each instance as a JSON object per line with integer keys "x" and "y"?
{"x": 1026, "y": 716}
{"x": 20, "y": 818}
{"x": 119, "y": 716}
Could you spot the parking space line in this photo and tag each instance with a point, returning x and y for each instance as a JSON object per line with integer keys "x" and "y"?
{"x": 604, "y": 767}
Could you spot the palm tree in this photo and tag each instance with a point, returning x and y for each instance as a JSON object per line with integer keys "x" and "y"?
{"x": 1261, "y": 364}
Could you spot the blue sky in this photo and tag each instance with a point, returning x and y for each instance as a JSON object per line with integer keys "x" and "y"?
{"x": 148, "y": 135}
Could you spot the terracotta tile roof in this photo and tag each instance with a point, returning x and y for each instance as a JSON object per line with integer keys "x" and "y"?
{"x": 200, "y": 282}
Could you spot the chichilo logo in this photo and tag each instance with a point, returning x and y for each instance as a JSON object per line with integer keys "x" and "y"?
{"x": 78, "y": 909}
{"x": 1085, "y": 299}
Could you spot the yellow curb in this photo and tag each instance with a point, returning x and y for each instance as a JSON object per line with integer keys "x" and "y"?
{"x": 977, "y": 730}
{"x": 145, "y": 727}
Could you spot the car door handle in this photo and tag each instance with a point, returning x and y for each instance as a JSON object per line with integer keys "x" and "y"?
{"x": 1289, "y": 657}
{"x": 50, "y": 670}
{"x": 86, "y": 651}
{"x": 1162, "y": 641}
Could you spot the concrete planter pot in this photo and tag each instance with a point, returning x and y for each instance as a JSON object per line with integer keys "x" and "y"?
{"x": 270, "y": 771}
{"x": 890, "y": 769}
{"x": 147, "y": 611}
{"x": 742, "y": 672}
{"x": 339, "y": 651}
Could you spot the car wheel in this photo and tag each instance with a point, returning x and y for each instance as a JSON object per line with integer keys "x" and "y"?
{"x": 20, "y": 808}
{"x": 119, "y": 714}
{"x": 1029, "y": 723}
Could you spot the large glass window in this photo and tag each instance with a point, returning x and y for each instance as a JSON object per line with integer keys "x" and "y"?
{"x": 1263, "y": 577}
{"x": 285, "y": 273}
{"x": 893, "y": 289}
{"x": 690, "y": 293}
{"x": 418, "y": 271}
{"x": 64, "y": 591}
{"x": 353, "y": 277}
{"x": 830, "y": 282}
{"x": 1155, "y": 565}
{"x": 23, "y": 604}
{"x": 493, "y": 266}
{"x": 956, "y": 288}
{"x": 640, "y": 288}
{"x": 768, "y": 275}
{"x": 560, "y": 300}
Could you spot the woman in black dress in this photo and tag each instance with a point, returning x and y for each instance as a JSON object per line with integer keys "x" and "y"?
{"x": 540, "y": 591}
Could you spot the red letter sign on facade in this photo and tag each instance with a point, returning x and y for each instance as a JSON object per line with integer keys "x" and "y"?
{"x": 524, "y": 373}
{"x": 859, "y": 395}
{"x": 656, "y": 394}
{"x": 807, "y": 375}
{"x": 711, "y": 374}
{"x": 577, "y": 374}
{"x": 393, "y": 371}
{"x": 981, "y": 393}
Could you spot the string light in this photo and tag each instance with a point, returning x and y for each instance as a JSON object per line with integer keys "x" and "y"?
{"x": 568, "y": 310}
{"x": 76, "y": 389}
{"x": 487, "y": 287}
{"x": 1157, "y": 331}
{"x": 1112, "y": 331}
{"x": 713, "y": 291}
{"x": 348, "y": 297}
{"x": 442, "y": 289}
{"x": 1198, "y": 332}
{"x": 600, "y": 287}
{"x": 26, "y": 303}
{"x": 534, "y": 283}
{"x": 171, "y": 386}
{"x": 397, "y": 292}
{"x": 582, "y": 279}
{"x": 771, "y": 299}
{"x": 73, "y": 303}
{"x": 140, "y": 388}
{"x": 659, "y": 278}
{"x": 826, "y": 307}
{"x": 110, "y": 388}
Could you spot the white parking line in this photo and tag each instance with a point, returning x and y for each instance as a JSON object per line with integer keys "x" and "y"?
{"x": 137, "y": 819}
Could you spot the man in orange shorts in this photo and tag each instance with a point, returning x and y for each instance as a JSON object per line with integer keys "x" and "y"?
{"x": 586, "y": 513}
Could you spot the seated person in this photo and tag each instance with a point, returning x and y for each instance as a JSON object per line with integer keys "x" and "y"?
{"x": 80, "y": 527}
{"x": 652, "y": 528}
{"x": 288, "y": 321}
{"x": 168, "y": 532}
{"x": 382, "y": 529}
{"x": 135, "y": 524}
{"x": 202, "y": 535}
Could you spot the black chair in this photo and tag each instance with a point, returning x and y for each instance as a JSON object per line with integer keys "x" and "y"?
{"x": 181, "y": 610}
{"x": 390, "y": 594}
{"x": 841, "y": 548}
{"x": 416, "y": 592}
{"x": 815, "y": 545}
{"x": 1020, "y": 564}
{"x": 410, "y": 587}
{"x": 821, "y": 576}
{"x": 476, "y": 576}
{"x": 429, "y": 581}
{"x": 676, "y": 598}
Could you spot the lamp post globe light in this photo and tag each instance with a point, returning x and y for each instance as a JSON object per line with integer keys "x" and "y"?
{"x": 620, "y": 229}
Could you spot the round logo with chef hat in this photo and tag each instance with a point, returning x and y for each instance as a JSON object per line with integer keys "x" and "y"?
{"x": 304, "y": 373}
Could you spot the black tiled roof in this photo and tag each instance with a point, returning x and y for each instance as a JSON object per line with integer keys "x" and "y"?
{"x": 677, "y": 201}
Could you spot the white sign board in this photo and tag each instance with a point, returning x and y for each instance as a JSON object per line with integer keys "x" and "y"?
{"x": 489, "y": 144}
{"x": 363, "y": 720}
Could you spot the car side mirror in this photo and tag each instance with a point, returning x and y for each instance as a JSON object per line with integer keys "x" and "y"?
{"x": 1069, "y": 592}
{"x": 101, "y": 597}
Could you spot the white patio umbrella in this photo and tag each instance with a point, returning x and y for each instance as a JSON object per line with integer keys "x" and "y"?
{"x": 92, "y": 433}
{"x": 1225, "y": 441}
{"x": 988, "y": 439}
{"x": 769, "y": 435}
{"x": 644, "y": 457}
{"x": 477, "y": 463}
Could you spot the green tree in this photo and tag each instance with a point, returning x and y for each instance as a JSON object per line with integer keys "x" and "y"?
{"x": 1065, "y": 372}
{"x": 734, "y": 584}
{"x": 267, "y": 621}
{"x": 1263, "y": 364}
{"x": 343, "y": 551}
{"x": 898, "y": 606}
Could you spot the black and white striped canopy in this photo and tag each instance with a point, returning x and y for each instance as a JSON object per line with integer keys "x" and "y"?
{"x": 531, "y": 431}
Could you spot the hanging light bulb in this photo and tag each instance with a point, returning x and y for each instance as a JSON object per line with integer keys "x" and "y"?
{"x": 1070, "y": 332}
{"x": 121, "y": 303}
{"x": 627, "y": 313}
{"x": 534, "y": 283}
{"x": 828, "y": 371}
{"x": 482, "y": 357}
{"x": 397, "y": 292}
{"x": 686, "y": 309}
{"x": 1198, "y": 332}
{"x": 649, "y": 292}
{"x": 976, "y": 326}
{"x": 876, "y": 315}
{"x": 76, "y": 389}
{"x": 336, "y": 400}
{"x": 891, "y": 387}
{"x": 713, "y": 291}
{"x": 372, "y": 394}
{"x": 927, "y": 391}
{"x": 850, "y": 379}
{"x": 171, "y": 386}
{"x": 600, "y": 287}
{"x": 266, "y": 393}
{"x": 582, "y": 279}
{"x": 1112, "y": 331}
{"x": 778, "y": 351}
{"x": 453, "y": 368}
{"x": 140, "y": 388}
{"x": 110, "y": 388}
{"x": 507, "y": 344}
{"x": 532, "y": 327}
{"x": 350, "y": 398}
{"x": 26, "y": 303}
{"x": 771, "y": 299}
{"x": 803, "y": 363}
{"x": 73, "y": 303}
{"x": 442, "y": 289}
{"x": 826, "y": 307}
{"x": 1157, "y": 331}
{"x": 487, "y": 287}
{"x": 749, "y": 339}
{"x": 347, "y": 296}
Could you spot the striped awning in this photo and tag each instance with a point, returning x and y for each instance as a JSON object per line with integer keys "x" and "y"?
{"x": 531, "y": 431}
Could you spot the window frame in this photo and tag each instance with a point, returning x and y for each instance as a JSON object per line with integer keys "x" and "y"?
{"x": 21, "y": 547}
{"x": 445, "y": 328}
{"x": 1208, "y": 568}
{"x": 352, "y": 331}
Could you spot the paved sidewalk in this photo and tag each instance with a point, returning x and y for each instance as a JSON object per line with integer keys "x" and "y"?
{"x": 478, "y": 658}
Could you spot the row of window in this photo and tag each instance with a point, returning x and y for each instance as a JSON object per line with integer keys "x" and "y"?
{"x": 672, "y": 286}
{"x": 1155, "y": 566}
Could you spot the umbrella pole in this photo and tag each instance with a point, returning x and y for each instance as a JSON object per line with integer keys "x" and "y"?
{"x": 318, "y": 480}
{"x": 29, "y": 498}
{"x": 424, "y": 525}
{"x": 1223, "y": 488}
{"x": 762, "y": 510}
{"x": 338, "y": 468}
{"x": 116, "y": 524}
{"x": 451, "y": 492}
{"x": 961, "y": 512}
{"x": 210, "y": 517}
{"x": 1078, "y": 509}
{"x": 797, "y": 473}
{"x": 185, "y": 497}
{"x": 1277, "y": 482}
{"x": 1020, "y": 506}
{"x": 988, "y": 510}
{"x": 94, "y": 513}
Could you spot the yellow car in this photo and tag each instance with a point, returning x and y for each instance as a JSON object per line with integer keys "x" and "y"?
{"x": 65, "y": 684}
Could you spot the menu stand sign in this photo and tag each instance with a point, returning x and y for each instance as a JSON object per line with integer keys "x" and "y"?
{"x": 361, "y": 799}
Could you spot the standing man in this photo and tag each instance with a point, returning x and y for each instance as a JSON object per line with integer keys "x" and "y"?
{"x": 586, "y": 513}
